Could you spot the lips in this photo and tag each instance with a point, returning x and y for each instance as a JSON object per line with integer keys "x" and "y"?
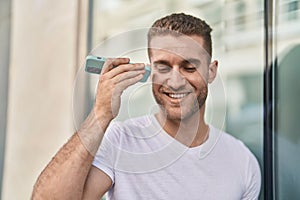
{"x": 177, "y": 95}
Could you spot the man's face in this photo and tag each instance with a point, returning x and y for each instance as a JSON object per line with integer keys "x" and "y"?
{"x": 180, "y": 73}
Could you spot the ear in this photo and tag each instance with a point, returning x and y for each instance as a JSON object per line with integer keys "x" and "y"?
{"x": 212, "y": 73}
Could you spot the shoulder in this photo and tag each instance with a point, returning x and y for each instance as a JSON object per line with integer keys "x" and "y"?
{"x": 139, "y": 122}
{"x": 242, "y": 159}
{"x": 133, "y": 123}
{"x": 130, "y": 127}
{"x": 236, "y": 151}
{"x": 231, "y": 144}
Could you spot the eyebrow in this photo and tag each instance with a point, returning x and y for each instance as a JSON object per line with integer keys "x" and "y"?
{"x": 163, "y": 62}
{"x": 186, "y": 61}
{"x": 194, "y": 61}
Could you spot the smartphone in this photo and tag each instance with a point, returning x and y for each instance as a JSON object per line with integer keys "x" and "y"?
{"x": 94, "y": 64}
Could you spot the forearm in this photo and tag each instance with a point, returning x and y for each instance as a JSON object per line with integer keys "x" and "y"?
{"x": 65, "y": 176}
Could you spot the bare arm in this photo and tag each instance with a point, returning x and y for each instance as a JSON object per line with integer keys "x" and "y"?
{"x": 70, "y": 165}
{"x": 70, "y": 174}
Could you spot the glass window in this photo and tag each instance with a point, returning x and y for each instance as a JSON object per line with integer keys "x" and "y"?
{"x": 287, "y": 110}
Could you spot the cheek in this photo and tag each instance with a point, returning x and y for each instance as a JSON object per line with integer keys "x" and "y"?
{"x": 156, "y": 82}
{"x": 196, "y": 82}
{"x": 201, "y": 76}
{"x": 157, "y": 78}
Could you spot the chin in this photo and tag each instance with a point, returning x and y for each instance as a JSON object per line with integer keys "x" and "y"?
{"x": 180, "y": 114}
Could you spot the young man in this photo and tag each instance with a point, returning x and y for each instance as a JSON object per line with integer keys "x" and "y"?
{"x": 173, "y": 154}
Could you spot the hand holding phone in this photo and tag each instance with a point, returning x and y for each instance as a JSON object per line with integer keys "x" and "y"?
{"x": 112, "y": 83}
{"x": 94, "y": 65}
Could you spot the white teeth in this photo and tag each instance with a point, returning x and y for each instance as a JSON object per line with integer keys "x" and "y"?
{"x": 177, "y": 96}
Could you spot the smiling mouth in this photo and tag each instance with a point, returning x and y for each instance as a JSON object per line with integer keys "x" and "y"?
{"x": 176, "y": 95}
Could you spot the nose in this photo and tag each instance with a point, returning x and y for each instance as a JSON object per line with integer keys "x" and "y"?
{"x": 175, "y": 80}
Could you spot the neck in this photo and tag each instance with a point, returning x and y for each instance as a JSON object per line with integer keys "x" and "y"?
{"x": 192, "y": 131}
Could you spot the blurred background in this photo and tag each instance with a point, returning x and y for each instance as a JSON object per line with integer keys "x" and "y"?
{"x": 45, "y": 93}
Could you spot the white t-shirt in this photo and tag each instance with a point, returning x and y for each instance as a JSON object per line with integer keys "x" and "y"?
{"x": 144, "y": 162}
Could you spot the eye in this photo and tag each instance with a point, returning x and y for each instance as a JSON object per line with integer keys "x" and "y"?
{"x": 161, "y": 68}
{"x": 190, "y": 69}
{"x": 190, "y": 65}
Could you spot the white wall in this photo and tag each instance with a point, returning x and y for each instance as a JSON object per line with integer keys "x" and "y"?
{"x": 46, "y": 46}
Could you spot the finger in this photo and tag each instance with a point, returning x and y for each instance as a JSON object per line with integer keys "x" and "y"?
{"x": 125, "y": 68}
{"x": 128, "y": 82}
{"x": 112, "y": 62}
{"x": 127, "y": 75}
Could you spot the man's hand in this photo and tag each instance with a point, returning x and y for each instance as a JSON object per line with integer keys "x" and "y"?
{"x": 117, "y": 75}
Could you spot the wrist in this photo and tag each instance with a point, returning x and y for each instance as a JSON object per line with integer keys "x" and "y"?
{"x": 92, "y": 130}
